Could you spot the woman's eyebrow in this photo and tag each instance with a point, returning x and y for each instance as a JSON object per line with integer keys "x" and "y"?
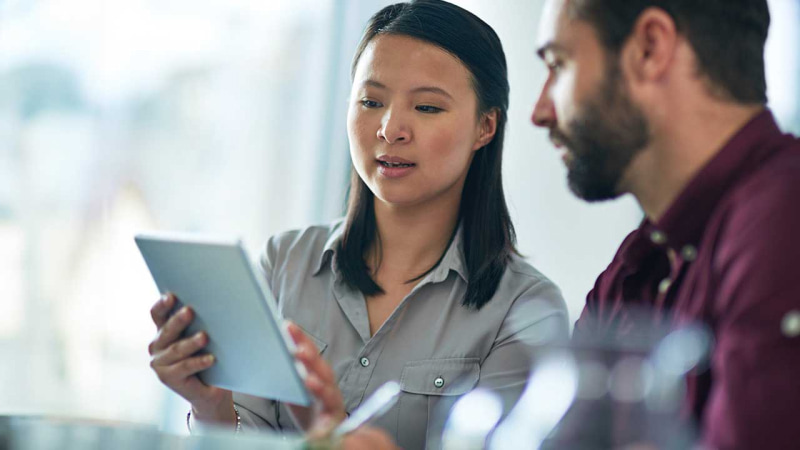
{"x": 432, "y": 89}
{"x": 375, "y": 84}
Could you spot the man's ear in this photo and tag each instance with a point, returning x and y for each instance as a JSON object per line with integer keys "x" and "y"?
{"x": 651, "y": 48}
{"x": 487, "y": 129}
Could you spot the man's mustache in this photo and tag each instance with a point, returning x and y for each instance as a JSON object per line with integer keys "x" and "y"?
{"x": 558, "y": 138}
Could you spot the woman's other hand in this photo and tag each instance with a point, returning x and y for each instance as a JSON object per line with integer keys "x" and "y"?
{"x": 327, "y": 411}
{"x": 176, "y": 364}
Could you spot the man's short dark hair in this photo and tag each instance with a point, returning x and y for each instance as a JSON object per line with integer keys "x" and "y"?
{"x": 727, "y": 36}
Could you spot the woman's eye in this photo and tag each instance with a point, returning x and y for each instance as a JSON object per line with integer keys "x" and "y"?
{"x": 370, "y": 103}
{"x": 428, "y": 109}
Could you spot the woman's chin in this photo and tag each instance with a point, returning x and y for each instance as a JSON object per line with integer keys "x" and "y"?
{"x": 397, "y": 199}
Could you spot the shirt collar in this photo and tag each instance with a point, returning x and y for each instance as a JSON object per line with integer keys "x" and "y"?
{"x": 682, "y": 226}
{"x": 453, "y": 259}
{"x": 329, "y": 249}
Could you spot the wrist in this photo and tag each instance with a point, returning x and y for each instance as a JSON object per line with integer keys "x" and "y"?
{"x": 193, "y": 423}
{"x": 219, "y": 413}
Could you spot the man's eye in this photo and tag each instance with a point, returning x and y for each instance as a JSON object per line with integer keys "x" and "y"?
{"x": 370, "y": 103}
{"x": 554, "y": 66}
{"x": 429, "y": 109}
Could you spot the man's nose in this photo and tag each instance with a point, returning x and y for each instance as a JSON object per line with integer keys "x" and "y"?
{"x": 544, "y": 112}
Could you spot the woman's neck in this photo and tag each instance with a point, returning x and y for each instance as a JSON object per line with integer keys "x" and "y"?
{"x": 412, "y": 238}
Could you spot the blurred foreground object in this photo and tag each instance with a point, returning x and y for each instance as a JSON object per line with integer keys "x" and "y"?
{"x": 40, "y": 433}
{"x": 550, "y": 391}
{"x": 632, "y": 393}
{"x": 599, "y": 394}
{"x": 471, "y": 420}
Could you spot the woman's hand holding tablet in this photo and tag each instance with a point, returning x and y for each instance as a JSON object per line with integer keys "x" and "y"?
{"x": 176, "y": 364}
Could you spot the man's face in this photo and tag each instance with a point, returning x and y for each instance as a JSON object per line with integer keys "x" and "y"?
{"x": 586, "y": 106}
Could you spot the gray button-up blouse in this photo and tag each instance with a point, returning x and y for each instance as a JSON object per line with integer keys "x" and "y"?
{"x": 434, "y": 347}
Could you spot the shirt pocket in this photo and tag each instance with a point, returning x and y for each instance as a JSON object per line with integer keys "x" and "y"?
{"x": 430, "y": 388}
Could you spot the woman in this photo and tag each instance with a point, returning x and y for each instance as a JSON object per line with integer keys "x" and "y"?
{"x": 421, "y": 282}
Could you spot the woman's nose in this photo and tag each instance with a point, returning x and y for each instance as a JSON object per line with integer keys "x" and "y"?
{"x": 394, "y": 129}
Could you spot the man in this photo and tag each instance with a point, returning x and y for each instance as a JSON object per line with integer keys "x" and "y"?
{"x": 665, "y": 99}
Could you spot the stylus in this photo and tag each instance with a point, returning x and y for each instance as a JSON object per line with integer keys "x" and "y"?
{"x": 373, "y": 407}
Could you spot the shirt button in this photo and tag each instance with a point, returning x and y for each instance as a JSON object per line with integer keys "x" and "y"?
{"x": 791, "y": 324}
{"x": 364, "y": 362}
{"x": 439, "y": 382}
{"x": 663, "y": 287}
{"x": 658, "y": 237}
{"x": 689, "y": 253}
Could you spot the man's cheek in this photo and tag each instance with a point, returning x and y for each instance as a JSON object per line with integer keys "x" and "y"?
{"x": 563, "y": 95}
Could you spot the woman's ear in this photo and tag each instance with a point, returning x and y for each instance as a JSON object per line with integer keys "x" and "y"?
{"x": 487, "y": 127}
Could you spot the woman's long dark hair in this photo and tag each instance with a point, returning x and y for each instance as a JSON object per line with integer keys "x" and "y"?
{"x": 488, "y": 234}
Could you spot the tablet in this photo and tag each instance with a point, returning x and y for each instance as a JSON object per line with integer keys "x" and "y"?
{"x": 233, "y": 305}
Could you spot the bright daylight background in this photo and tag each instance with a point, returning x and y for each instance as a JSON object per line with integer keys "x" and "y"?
{"x": 225, "y": 116}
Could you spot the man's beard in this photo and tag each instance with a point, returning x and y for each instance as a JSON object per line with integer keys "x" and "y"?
{"x": 603, "y": 138}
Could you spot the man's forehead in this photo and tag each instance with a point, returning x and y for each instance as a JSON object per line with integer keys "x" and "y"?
{"x": 551, "y": 22}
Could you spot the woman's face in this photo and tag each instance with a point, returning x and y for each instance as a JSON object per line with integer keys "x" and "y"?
{"x": 413, "y": 122}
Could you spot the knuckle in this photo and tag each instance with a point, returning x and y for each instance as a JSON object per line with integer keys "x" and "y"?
{"x": 188, "y": 364}
{"x": 183, "y": 349}
{"x": 176, "y": 353}
{"x": 178, "y": 349}
{"x": 193, "y": 343}
{"x": 177, "y": 322}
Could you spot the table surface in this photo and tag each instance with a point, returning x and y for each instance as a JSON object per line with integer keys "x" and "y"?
{"x": 45, "y": 433}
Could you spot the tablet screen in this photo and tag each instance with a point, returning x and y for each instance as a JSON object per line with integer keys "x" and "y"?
{"x": 233, "y": 305}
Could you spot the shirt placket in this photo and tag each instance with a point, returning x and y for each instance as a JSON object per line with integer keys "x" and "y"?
{"x": 668, "y": 287}
{"x": 357, "y": 378}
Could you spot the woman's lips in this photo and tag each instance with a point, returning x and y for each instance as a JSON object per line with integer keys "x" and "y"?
{"x": 393, "y": 167}
{"x": 389, "y": 159}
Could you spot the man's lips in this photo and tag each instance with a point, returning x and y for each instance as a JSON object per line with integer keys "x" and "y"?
{"x": 556, "y": 139}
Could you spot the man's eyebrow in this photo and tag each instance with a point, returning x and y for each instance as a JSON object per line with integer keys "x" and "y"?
{"x": 550, "y": 46}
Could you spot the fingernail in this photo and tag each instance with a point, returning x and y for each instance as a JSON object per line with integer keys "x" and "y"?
{"x": 199, "y": 337}
{"x": 208, "y": 359}
{"x": 185, "y": 311}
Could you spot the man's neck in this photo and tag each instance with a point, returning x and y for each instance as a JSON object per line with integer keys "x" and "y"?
{"x": 679, "y": 149}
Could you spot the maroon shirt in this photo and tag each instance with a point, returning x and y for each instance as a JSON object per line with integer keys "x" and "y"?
{"x": 735, "y": 233}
